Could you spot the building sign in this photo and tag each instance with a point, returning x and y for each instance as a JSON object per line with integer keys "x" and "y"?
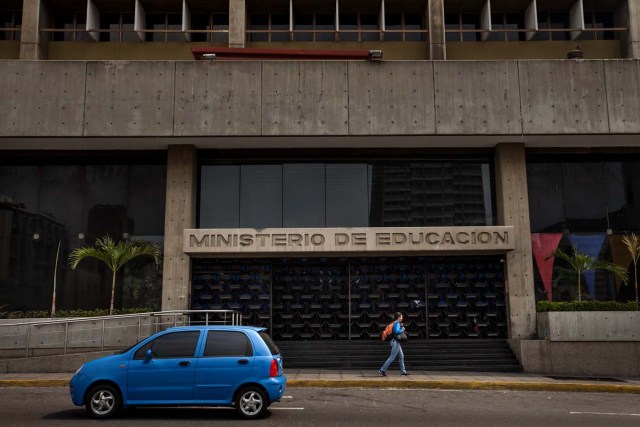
{"x": 327, "y": 241}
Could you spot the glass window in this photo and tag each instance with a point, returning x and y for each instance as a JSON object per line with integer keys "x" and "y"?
{"x": 546, "y": 201}
{"x": 393, "y": 26}
{"x": 280, "y": 22}
{"x": 171, "y": 345}
{"x": 303, "y": 195}
{"x": 348, "y": 22}
{"x": 369, "y": 21}
{"x": 174, "y": 23}
{"x": 303, "y": 22}
{"x": 325, "y": 22}
{"x": 73, "y": 205}
{"x": 220, "y": 197}
{"x": 227, "y": 344}
{"x": 584, "y": 196}
{"x": 259, "y": 22}
{"x": 261, "y": 196}
{"x": 471, "y": 21}
{"x": 347, "y": 195}
{"x": 413, "y": 22}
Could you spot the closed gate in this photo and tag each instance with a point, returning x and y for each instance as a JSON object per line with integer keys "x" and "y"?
{"x": 354, "y": 298}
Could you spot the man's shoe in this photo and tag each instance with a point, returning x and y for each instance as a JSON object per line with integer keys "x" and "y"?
{"x": 383, "y": 373}
{"x": 404, "y": 374}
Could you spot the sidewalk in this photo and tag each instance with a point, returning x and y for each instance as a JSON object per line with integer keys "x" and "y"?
{"x": 417, "y": 379}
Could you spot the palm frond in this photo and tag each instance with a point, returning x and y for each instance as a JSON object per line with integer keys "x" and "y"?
{"x": 632, "y": 243}
{"x": 619, "y": 271}
{"x": 115, "y": 255}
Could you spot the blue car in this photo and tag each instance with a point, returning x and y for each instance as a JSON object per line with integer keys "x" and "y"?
{"x": 237, "y": 366}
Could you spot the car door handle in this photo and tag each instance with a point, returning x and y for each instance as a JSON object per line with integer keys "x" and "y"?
{"x": 184, "y": 363}
{"x": 243, "y": 361}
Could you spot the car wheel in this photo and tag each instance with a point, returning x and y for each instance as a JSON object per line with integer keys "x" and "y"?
{"x": 251, "y": 402}
{"x": 103, "y": 401}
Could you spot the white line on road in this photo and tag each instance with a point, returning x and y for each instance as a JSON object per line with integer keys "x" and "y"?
{"x": 604, "y": 413}
{"x": 288, "y": 409}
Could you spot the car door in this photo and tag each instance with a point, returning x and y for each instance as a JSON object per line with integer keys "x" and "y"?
{"x": 168, "y": 375}
{"x": 226, "y": 362}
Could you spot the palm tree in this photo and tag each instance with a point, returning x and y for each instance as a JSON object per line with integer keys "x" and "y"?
{"x": 581, "y": 262}
{"x": 115, "y": 255}
{"x": 633, "y": 245}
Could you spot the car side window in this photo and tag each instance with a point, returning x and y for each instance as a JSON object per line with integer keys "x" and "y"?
{"x": 227, "y": 344}
{"x": 172, "y": 345}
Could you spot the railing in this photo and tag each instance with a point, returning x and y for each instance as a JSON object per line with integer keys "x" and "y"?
{"x": 66, "y": 336}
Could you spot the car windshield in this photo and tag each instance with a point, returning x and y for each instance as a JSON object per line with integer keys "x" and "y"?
{"x": 273, "y": 348}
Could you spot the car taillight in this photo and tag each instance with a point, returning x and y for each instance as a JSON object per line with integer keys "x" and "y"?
{"x": 273, "y": 372}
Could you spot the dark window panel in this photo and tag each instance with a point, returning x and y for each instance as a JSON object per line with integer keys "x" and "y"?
{"x": 546, "y": 202}
{"x": 347, "y": 195}
{"x": 261, "y": 196}
{"x": 220, "y": 197}
{"x": 227, "y": 344}
{"x": 304, "y": 195}
{"x": 584, "y": 196}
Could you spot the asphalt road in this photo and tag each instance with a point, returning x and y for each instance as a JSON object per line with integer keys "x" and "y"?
{"x": 350, "y": 407}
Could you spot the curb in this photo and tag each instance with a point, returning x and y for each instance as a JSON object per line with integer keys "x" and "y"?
{"x": 34, "y": 383}
{"x": 468, "y": 385}
{"x": 409, "y": 384}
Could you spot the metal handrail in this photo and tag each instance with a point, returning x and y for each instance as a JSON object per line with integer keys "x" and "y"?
{"x": 11, "y": 342}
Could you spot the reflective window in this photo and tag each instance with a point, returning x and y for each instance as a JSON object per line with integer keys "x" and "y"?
{"x": 220, "y": 197}
{"x": 589, "y": 196}
{"x": 227, "y": 344}
{"x": 347, "y": 195}
{"x": 303, "y": 195}
{"x": 260, "y": 196}
{"x": 387, "y": 194}
{"x": 42, "y": 206}
{"x": 172, "y": 345}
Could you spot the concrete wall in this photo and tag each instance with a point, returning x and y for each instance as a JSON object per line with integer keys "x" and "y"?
{"x": 579, "y": 358}
{"x": 339, "y": 98}
{"x": 589, "y": 325}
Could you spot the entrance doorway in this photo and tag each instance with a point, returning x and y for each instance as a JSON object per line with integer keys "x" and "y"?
{"x": 355, "y": 298}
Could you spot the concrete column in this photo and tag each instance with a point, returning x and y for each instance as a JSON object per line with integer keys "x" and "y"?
{"x": 437, "y": 44}
{"x": 633, "y": 43}
{"x": 33, "y": 42}
{"x": 180, "y": 213}
{"x": 237, "y": 23}
{"x": 513, "y": 209}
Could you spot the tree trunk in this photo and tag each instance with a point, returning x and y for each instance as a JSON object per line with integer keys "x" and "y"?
{"x": 113, "y": 291}
{"x": 635, "y": 279}
{"x": 579, "y": 288}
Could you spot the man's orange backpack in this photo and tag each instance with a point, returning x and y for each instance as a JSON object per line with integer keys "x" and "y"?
{"x": 387, "y": 334}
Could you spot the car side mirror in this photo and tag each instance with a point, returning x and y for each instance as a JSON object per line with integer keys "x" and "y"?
{"x": 148, "y": 355}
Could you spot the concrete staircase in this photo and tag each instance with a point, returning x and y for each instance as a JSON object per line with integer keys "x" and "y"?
{"x": 487, "y": 355}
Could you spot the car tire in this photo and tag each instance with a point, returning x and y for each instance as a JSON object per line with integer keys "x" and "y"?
{"x": 103, "y": 401}
{"x": 251, "y": 403}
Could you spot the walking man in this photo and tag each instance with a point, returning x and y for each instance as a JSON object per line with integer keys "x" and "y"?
{"x": 396, "y": 348}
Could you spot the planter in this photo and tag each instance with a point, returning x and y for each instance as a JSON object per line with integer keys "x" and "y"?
{"x": 589, "y": 325}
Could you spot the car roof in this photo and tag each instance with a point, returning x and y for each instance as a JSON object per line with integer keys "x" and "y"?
{"x": 216, "y": 328}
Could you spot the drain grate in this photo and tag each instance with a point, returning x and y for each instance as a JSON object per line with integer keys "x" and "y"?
{"x": 563, "y": 378}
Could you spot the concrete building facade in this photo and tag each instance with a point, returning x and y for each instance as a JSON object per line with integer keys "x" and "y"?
{"x": 467, "y": 120}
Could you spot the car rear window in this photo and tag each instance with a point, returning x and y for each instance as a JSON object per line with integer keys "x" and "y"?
{"x": 273, "y": 348}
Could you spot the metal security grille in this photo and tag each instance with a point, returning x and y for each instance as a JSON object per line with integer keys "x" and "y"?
{"x": 355, "y": 298}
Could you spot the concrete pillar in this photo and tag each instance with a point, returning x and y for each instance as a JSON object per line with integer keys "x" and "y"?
{"x": 237, "y": 23}
{"x": 33, "y": 42}
{"x": 513, "y": 209}
{"x": 180, "y": 213}
{"x": 437, "y": 44}
{"x": 633, "y": 42}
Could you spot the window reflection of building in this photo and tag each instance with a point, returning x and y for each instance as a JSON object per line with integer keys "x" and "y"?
{"x": 86, "y": 202}
{"x": 28, "y": 245}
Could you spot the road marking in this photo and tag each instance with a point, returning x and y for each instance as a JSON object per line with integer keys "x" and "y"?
{"x": 604, "y": 413}
{"x": 288, "y": 409}
{"x": 286, "y": 397}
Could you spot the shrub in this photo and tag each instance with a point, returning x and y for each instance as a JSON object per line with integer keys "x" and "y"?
{"x": 542, "y": 306}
